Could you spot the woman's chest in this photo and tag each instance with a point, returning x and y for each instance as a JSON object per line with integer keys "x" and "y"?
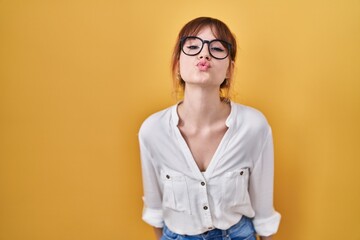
{"x": 204, "y": 145}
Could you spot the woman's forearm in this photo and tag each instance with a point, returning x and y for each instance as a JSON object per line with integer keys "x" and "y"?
{"x": 266, "y": 238}
{"x": 158, "y": 233}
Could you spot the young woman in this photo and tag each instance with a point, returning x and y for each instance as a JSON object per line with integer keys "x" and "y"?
{"x": 207, "y": 162}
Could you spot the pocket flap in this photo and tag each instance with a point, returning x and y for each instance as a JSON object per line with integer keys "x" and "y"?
{"x": 240, "y": 172}
{"x": 171, "y": 175}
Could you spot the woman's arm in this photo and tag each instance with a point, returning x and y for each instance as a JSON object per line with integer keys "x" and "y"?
{"x": 266, "y": 220}
{"x": 266, "y": 238}
{"x": 152, "y": 210}
{"x": 158, "y": 233}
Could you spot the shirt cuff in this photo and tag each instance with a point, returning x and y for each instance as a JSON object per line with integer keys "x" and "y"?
{"x": 267, "y": 226}
{"x": 153, "y": 217}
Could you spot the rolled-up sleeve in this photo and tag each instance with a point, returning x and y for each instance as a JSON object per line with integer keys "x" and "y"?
{"x": 152, "y": 210}
{"x": 266, "y": 220}
{"x": 153, "y": 217}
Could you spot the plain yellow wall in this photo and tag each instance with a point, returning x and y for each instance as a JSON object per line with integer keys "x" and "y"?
{"x": 78, "y": 77}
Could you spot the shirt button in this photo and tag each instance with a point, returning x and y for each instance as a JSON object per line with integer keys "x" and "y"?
{"x": 205, "y": 208}
{"x": 242, "y": 172}
{"x": 167, "y": 176}
{"x": 202, "y": 183}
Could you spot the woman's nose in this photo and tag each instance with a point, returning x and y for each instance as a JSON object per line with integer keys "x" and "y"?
{"x": 204, "y": 53}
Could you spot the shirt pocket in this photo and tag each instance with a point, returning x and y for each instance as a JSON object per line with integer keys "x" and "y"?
{"x": 175, "y": 191}
{"x": 235, "y": 187}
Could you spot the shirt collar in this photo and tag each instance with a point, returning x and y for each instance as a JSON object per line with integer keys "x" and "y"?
{"x": 229, "y": 121}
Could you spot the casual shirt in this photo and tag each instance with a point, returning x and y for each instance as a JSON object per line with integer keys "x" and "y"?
{"x": 238, "y": 180}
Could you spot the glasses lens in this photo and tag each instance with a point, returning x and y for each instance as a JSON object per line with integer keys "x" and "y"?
{"x": 219, "y": 49}
{"x": 191, "y": 46}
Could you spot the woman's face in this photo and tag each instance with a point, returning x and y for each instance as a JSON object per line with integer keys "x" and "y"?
{"x": 203, "y": 69}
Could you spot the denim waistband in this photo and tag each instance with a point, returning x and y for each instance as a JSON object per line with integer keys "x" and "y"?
{"x": 244, "y": 229}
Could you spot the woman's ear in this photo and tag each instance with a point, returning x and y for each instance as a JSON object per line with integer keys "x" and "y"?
{"x": 230, "y": 70}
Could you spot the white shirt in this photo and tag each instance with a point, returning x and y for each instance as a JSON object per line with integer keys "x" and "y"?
{"x": 238, "y": 181}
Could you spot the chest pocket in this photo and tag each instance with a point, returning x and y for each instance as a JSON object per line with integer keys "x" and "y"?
{"x": 235, "y": 187}
{"x": 175, "y": 191}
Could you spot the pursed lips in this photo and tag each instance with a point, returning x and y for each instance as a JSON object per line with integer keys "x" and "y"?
{"x": 203, "y": 65}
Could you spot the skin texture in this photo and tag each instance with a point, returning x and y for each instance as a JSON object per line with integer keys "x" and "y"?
{"x": 212, "y": 77}
{"x": 202, "y": 114}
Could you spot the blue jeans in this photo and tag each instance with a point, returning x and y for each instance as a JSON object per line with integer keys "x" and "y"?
{"x": 243, "y": 230}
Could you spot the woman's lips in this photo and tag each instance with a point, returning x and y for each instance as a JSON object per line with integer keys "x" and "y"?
{"x": 203, "y": 65}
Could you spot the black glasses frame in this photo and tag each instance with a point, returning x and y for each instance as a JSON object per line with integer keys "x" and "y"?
{"x": 228, "y": 46}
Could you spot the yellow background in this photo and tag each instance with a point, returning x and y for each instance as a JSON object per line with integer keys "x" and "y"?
{"x": 78, "y": 77}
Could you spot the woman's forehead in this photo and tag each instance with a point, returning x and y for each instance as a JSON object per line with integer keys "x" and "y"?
{"x": 202, "y": 29}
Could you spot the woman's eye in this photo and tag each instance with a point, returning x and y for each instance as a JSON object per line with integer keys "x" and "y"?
{"x": 217, "y": 49}
{"x": 192, "y": 47}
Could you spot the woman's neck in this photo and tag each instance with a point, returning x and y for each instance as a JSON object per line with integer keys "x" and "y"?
{"x": 202, "y": 107}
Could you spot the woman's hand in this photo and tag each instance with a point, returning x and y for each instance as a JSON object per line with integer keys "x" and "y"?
{"x": 266, "y": 238}
{"x": 158, "y": 233}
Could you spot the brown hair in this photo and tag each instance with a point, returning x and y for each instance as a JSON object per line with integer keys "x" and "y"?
{"x": 192, "y": 28}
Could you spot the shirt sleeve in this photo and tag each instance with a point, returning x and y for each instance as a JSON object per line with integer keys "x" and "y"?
{"x": 266, "y": 220}
{"x": 152, "y": 209}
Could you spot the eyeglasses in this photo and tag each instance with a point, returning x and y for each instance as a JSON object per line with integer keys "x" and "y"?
{"x": 192, "y": 46}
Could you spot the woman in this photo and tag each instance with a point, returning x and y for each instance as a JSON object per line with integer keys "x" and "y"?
{"x": 207, "y": 162}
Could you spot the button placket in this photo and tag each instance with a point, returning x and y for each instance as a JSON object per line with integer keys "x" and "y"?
{"x": 205, "y": 205}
